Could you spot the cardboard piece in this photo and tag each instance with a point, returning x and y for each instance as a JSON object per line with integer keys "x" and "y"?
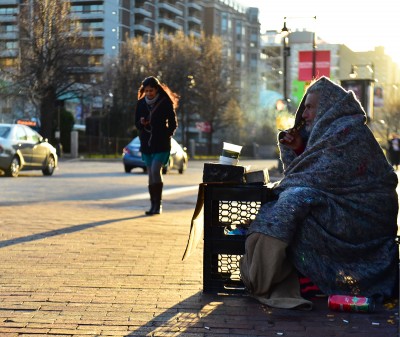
{"x": 260, "y": 177}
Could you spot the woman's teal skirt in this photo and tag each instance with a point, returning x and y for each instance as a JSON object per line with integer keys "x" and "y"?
{"x": 162, "y": 157}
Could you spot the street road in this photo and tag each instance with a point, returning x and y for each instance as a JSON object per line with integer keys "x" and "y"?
{"x": 104, "y": 182}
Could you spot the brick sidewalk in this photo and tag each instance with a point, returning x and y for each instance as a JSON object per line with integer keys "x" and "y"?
{"x": 103, "y": 269}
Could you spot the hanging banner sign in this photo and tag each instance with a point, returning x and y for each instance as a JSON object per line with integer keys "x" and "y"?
{"x": 203, "y": 127}
{"x": 322, "y": 64}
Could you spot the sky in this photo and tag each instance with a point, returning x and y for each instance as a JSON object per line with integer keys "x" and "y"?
{"x": 360, "y": 25}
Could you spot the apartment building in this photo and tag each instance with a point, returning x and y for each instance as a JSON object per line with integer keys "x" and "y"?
{"x": 239, "y": 28}
{"x": 167, "y": 16}
{"x": 237, "y": 25}
{"x": 9, "y": 46}
{"x": 110, "y": 23}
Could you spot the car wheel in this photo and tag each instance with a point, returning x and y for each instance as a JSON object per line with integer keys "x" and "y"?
{"x": 128, "y": 169}
{"x": 169, "y": 165}
{"x": 14, "y": 168}
{"x": 183, "y": 167}
{"x": 50, "y": 166}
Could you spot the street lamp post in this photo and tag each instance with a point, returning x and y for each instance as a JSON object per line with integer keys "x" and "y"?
{"x": 314, "y": 52}
{"x": 286, "y": 52}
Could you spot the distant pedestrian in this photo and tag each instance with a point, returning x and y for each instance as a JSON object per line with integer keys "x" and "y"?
{"x": 394, "y": 151}
{"x": 156, "y": 121}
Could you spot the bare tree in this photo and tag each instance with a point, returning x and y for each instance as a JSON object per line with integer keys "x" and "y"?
{"x": 176, "y": 62}
{"x": 50, "y": 46}
{"x": 193, "y": 68}
{"x": 132, "y": 67}
{"x": 213, "y": 84}
{"x": 172, "y": 58}
{"x": 234, "y": 123}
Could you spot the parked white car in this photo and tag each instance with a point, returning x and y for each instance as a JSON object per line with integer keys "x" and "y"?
{"x": 22, "y": 148}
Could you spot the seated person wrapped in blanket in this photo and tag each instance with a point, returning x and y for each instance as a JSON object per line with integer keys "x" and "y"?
{"x": 334, "y": 219}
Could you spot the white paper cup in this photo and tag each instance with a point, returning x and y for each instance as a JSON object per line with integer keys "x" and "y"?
{"x": 231, "y": 150}
{"x": 230, "y": 154}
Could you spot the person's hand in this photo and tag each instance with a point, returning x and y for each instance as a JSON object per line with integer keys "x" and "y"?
{"x": 292, "y": 139}
{"x": 144, "y": 121}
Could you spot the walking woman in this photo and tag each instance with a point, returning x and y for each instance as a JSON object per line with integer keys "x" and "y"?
{"x": 155, "y": 118}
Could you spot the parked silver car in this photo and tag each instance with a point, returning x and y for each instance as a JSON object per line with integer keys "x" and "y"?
{"x": 22, "y": 148}
{"x": 132, "y": 157}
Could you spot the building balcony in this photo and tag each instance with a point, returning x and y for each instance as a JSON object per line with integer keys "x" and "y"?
{"x": 9, "y": 53}
{"x": 140, "y": 12}
{"x": 164, "y": 6}
{"x": 142, "y": 28}
{"x": 195, "y": 33}
{"x": 8, "y": 18}
{"x": 9, "y": 36}
{"x": 92, "y": 33}
{"x": 149, "y": 3}
{"x": 194, "y": 20}
{"x": 9, "y": 2}
{"x": 194, "y": 5}
{"x": 194, "y": 27}
{"x": 98, "y": 15}
{"x": 169, "y": 23}
{"x": 94, "y": 51}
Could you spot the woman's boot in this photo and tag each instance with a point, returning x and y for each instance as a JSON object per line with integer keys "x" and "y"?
{"x": 151, "y": 192}
{"x": 158, "y": 187}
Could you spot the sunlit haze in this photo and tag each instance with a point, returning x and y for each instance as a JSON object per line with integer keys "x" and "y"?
{"x": 360, "y": 25}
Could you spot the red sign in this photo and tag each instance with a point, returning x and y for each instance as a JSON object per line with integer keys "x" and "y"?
{"x": 203, "y": 127}
{"x": 322, "y": 64}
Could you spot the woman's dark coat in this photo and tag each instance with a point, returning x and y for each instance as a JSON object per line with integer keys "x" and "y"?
{"x": 156, "y": 137}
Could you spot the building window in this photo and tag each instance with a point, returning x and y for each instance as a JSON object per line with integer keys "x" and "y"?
{"x": 8, "y": 62}
{"x": 90, "y": 26}
{"x": 8, "y": 45}
{"x": 87, "y": 8}
{"x": 239, "y": 30}
{"x": 95, "y": 61}
{"x": 224, "y": 22}
{"x": 254, "y": 37}
{"x": 7, "y": 28}
{"x": 8, "y": 10}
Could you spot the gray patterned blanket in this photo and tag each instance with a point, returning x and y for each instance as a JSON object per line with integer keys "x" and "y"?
{"x": 337, "y": 204}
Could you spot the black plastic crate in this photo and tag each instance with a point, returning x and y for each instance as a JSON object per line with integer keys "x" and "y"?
{"x": 227, "y": 207}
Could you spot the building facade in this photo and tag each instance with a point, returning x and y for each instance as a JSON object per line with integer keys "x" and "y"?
{"x": 239, "y": 29}
{"x": 110, "y": 23}
{"x": 371, "y": 65}
{"x": 167, "y": 16}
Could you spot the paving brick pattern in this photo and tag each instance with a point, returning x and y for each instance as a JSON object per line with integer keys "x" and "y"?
{"x": 79, "y": 269}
